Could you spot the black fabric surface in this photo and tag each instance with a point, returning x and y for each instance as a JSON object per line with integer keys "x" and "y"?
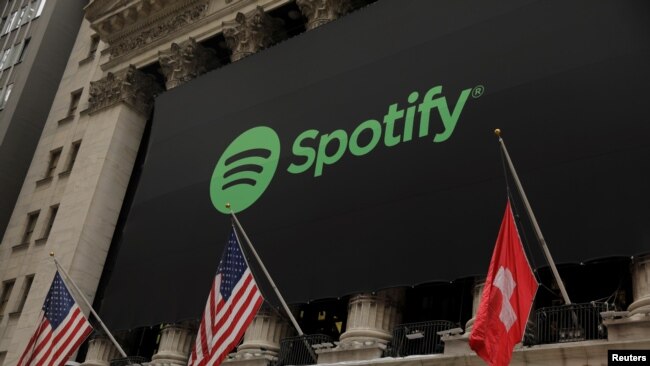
{"x": 567, "y": 82}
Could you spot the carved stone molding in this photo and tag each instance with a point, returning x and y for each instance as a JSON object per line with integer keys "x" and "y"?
{"x": 319, "y": 12}
{"x": 148, "y": 33}
{"x": 249, "y": 33}
{"x": 185, "y": 61}
{"x": 132, "y": 87}
{"x": 100, "y": 352}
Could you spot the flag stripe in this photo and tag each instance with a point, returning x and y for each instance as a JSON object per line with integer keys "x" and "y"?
{"x": 62, "y": 329}
{"x": 231, "y": 306}
{"x": 225, "y": 312}
{"x": 32, "y": 341}
{"x": 68, "y": 339}
{"x": 227, "y": 339}
{"x": 54, "y": 342}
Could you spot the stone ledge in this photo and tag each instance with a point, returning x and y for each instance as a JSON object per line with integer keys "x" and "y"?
{"x": 20, "y": 246}
{"x": 87, "y": 59}
{"x": 568, "y": 354}
{"x": 40, "y": 241}
{"x": 43, "y": 181}
{"x": 65, "y": 119}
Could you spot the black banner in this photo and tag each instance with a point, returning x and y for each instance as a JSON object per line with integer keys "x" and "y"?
{"x": 360, "y": 155}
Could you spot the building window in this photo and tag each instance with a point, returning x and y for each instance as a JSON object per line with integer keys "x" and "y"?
{"x": 22, "y": 18}
{"x": 75, "y": 96}
{"x": 26, "y": 287}
{"x": 50, "y": 221}
{"x": 54, "y": 161}
{"x": 40, "y": 8}
{"x": 94, "y": 44}
{"x": 31, "y": 225}
{"x": 9, "y": 24}
{"x": 7, "y": 287}
{"x": 21, "y": 54}
{"x": 4, "y": 60}
{"x": 4, "y": 95}
{"x": 73, "y": 154}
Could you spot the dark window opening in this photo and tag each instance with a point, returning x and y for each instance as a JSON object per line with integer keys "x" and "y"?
{"x": 54, "y": 161}
{"x": 7, "y": 287}
{"x": 50, "y": 221}
{"x": 75, "y": 97}
{"x": 32, "y": 218}
{"x": 26, "y": 287}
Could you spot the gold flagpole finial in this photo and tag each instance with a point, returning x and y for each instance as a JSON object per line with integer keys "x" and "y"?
{"x": 497, "y": 132}
{"x": 51, "y": 254}
{"x": 228, "y": 205}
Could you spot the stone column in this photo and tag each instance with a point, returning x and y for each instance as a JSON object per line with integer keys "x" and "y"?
{"x": 371, "y": 319}
{"x": 100, "y": 352}
{"x": 175, "y": 345}
{"x": 185, "y": 61}
{"x": 261, "y": 343}
{"x": 249, "y": 33}
{"x": 479, "y": 284}
{"x": 319, "y": 12}
{"x": 640, "y": 285}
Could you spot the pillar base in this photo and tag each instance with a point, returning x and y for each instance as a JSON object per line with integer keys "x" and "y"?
{"x": 627, "y": 328}
{"x": 175, "y": 345}
{"x": 100, "y": 352}
{"x": 352, "y": 350}
{"x": 251, "y": 359}
{"x": 456, "y": 344}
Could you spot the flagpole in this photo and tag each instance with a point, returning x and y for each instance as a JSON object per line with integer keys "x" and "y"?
{"x": 538, "y": 231}
{"x": 101, "y": 323}
{"x": 268, "y": 276}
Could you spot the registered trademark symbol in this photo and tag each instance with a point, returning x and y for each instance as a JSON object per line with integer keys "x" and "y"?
{"x": 478, "y": 91}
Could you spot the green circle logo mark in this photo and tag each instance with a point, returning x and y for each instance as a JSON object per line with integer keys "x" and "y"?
{"x": 245, "y": 169}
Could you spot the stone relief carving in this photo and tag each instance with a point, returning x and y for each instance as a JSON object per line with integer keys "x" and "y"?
{"x": 185, "y": 61}
{"x": 132, "y": 87}
{"x": 249, "y": 33}
{"x": 158, "y": 30}
{"x": 319, "y": 12}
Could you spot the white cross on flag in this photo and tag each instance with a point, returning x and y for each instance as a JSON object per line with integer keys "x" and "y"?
{"x": 507, "y": 298}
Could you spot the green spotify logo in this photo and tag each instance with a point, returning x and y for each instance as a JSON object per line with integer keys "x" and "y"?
{"x": 245, "y": 169}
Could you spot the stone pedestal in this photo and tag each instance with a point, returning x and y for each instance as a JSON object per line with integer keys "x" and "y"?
{"x": 100, "y": 352}
{"x": 371, "y": 319}
{"x": 458, "y": 344}
{"x": 175, "y": 345}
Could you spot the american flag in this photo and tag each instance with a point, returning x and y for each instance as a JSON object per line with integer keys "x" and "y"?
{"x": 233, "y": 302}
{"x": 62, "y": 329}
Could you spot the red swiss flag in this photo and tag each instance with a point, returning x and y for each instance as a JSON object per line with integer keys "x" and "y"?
{"x": 507, "y": 298}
